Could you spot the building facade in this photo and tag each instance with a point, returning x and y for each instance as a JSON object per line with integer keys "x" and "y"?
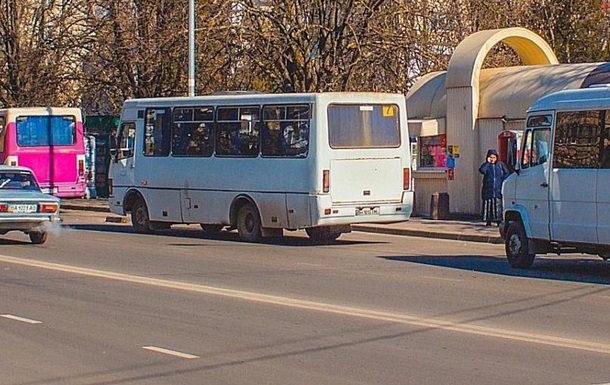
{"x": 455, "y": 116}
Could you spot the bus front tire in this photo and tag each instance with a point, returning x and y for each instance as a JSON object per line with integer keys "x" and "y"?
{"x": 140, "y": 219}
{"x": 516, "y": 246}
{"x": 322, "y": 234}
{"x": 38, "y": 237}
{"x": 249, "y": 224}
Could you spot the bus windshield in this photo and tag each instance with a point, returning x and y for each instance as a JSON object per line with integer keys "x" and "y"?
{"x": 45, "y": 130}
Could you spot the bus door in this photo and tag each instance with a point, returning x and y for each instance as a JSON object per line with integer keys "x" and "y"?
{"x": 124, "y": 161}
{"x": 532, "y": 186}
{"x": 573, "y": 182}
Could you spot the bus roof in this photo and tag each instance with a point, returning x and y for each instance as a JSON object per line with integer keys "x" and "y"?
{"x": 241, "y": 97}
{"x": 37, "y": 111}
{"x": 595, "y": 97}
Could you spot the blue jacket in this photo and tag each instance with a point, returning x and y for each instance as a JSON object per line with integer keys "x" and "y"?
{"x": 493, "y": 176}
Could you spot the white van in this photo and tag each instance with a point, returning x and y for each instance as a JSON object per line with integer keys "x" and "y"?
{"x": 558, "y": 200}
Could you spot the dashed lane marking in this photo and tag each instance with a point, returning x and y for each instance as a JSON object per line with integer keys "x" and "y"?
{"x": 170, "y": 352}
{"x": 20, "y": 319}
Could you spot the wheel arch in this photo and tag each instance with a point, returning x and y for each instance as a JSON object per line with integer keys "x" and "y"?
{"x": 238, "y": 202}
{"x": 518, "y": 214}
{"x": 131, "y": 197}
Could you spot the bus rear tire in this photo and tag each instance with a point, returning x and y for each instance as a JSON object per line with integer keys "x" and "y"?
{"x": 322, "y": 234}
{"x": 140, "y": 219}
{"x": 249, "y": 224}
{"x": 516, "y": 246}
{"x": 38, "y": 237}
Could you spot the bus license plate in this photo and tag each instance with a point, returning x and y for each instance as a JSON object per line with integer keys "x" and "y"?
{"x": 22, "y": 209}
{"x": 47, "y": 190}
{"x": 367, "y": 210}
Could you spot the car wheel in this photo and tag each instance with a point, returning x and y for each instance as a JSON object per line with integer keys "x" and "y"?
{"x": 249, "y": 224}
{"x": 211, "y": 229}
{"x": 322, "y": 234}
{"x": 38, "y": 237}
{"x": 140, "y": 219}
{"x": 516, "y": 245}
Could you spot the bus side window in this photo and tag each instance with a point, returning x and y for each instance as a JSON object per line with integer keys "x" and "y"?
{"x": 238, "y": 131}
{"x": 126, "y": 140}
{"x": 577, "y": 139}
{"x": 605, "y": 143}
{"x": 285, "y": 131}
{"x": 540, "y": 146}
{"x": 525, "y": 152}
{"x": 157, "y": 135}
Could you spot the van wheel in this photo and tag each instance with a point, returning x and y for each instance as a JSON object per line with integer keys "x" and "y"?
{"x": 516, "y": 245}
{"x": 322, "y": 234}
{"x": 38, "y": 237}
{"x": 211, "y": 229}
{"x": 140, "y": 219}
{"x": 249, "y": 224}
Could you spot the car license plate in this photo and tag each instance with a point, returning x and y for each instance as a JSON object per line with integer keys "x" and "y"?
{"x": 367, "y": 210}
{"x": 23, "y": 208}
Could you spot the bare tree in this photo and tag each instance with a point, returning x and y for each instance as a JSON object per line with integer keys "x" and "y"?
{"x": 40, "y": 49}
{"x": 96, "y": 53}
{"x": 303, "y": 45}
{"x": 140, "y": 51}
{"x": 576, "y": 29}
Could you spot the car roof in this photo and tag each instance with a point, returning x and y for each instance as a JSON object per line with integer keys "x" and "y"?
{"x": 7, "y": 168}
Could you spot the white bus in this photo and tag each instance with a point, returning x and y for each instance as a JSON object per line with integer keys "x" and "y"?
{"x": 261, "y": 163}
{"x": 557, "y": 200}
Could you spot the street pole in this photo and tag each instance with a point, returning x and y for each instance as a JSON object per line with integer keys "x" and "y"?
{"x": 191, "y": 47}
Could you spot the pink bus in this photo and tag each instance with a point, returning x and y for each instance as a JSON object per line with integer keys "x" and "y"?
{"x": 50, "y": 141}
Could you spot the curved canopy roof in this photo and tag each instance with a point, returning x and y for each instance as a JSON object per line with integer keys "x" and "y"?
{"x": 507, "y": 91}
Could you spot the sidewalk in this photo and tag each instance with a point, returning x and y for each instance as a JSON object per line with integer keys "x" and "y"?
{"x": 464, "y": 230}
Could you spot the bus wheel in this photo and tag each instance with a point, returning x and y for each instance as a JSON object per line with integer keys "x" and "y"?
{"x": 248, "y": 224}
{"x": 211, "y": 229}
{"x": 516, "y": 246}
{"x": 322, "y": 234}
{"x": 38, "y": 237}
{"x": 139, "y": 218}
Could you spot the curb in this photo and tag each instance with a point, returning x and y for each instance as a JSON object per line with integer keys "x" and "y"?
{"x": 116, "y": 219}
{"x": 430, "y": 234}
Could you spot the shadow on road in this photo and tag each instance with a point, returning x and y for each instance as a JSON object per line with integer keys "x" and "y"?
{"x": 577, "y": 268}
{"x": 230, "y": 236}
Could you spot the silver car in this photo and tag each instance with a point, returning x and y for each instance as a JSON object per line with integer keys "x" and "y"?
{"x": 23, "y": 206}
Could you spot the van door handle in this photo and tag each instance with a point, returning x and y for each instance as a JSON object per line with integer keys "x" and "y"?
{"x": 544, "y": 184}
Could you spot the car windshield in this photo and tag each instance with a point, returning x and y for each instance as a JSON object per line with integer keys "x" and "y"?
{"x": 18, "y": 181}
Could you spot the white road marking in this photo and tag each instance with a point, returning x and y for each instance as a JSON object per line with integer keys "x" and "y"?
{"x": 170, "y": 352}
{"x": 399, "y": 318}
{"x": 20, "y": 319}
{"x": 441, "y": 278}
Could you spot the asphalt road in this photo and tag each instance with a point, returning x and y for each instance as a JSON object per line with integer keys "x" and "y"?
{"x": 98, "y": 304}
